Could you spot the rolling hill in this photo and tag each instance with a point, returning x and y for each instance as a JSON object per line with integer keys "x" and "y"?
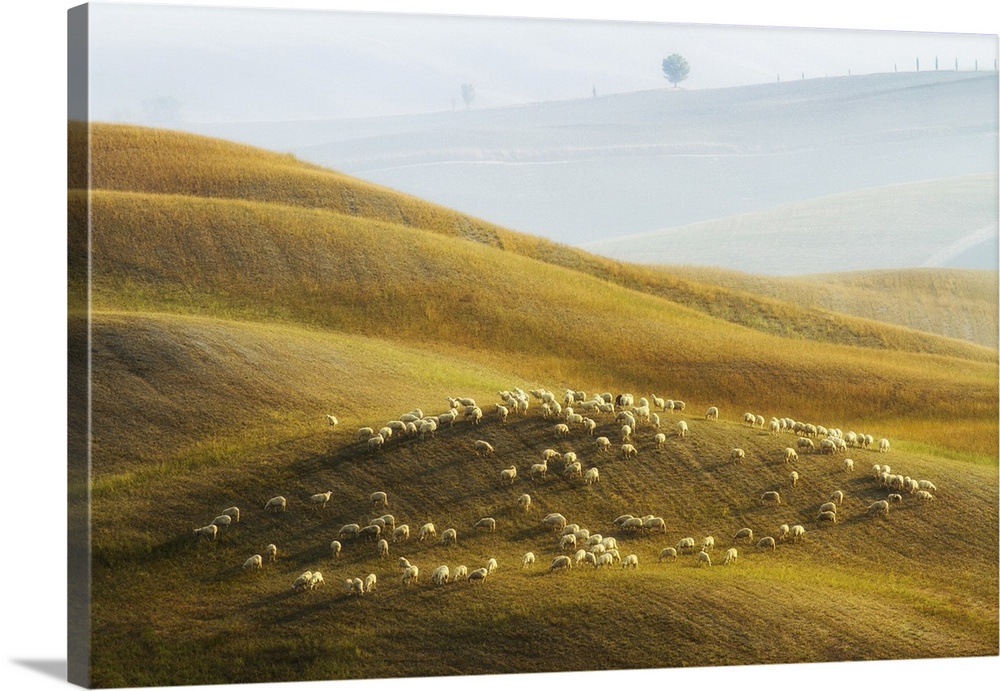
{"x": 238, "y": 296}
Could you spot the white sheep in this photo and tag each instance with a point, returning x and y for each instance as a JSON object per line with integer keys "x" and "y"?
{"x": 256, "y": 563}
{"x": 382, "y": 548}
{"x": 826, "y": 516}
{"x": 737, "y": 455}
{"x": 461, "y": 571}
{"x": 320, "y": 499}
{"x": 593, "y": 475}
{"x": 561, "y": 429}
{"x": 837, "y": 496}
{"x": 449, "y": 537}
{"x": 573, "y": 470}
{"x": 708, "y": 543}
{"x": 883, "y": 445}
{"x": 371, "y": 580}
{"x": 895, "y": 498}
{"x": 538, "y": 470}
{"x": 233, "y": 512}
{"x": 272, "y": 552}
{"x": 654, "y": 524}
{"x": 829, "y": 506}
{"x": 774, "y": 426}
{"x": 483, "y": 448}
{"x": 793, "y": 478}
{"x": 302, "y": 582}
{"x": 805, "y": 444}
{"x": 668, "y": 553}
{"x": 349, "y": 530}
{"x": 276, "y": 504}
{"x": 924, "y": 495}
{"x": 403, "y": 563}
{"x": 316, "y": 580}
{"x": 440, "y": 575}
{"x": 332, "y": 421}
{"x": 528, "y": 559}
{"x": 731, "y": 556}
{"x": 478, "y": 576}
{"x": 209, "y": 532}
{"x": 630, "y": 560}
{"x": 222, "y": 521}
{"x": 379, "y": 500}
{"x": 401, "y": 532}
{"x": 797, "y": 532}
{"x": 567, "y": 541}
{"x": 427, "y": 530}
{"x": 879, "y": 507}
{"x": 335, "y": 548}
{"x": 524, "y": 501}
{"x": 626, "y": 433}
{"x": 686, "y": 545}
{"x": 783, "y": 531}
{"x": 926, "y": 485}
{"x": 491, "y": 565}
{"x": 603, "y": 444}
{"x": 681, "y": 428}
{"x": 554, "y": 521}
{"x": 410, "y": 574}
{"x": 704, "y": 559}
{"x": 791, "y": 454}
{"x": 365, "y": 433}
{"x": 508, "y": 475}
{"x": 849, "y": 465}
{"x": 771, "y": 497}
{"x": 375, "y": 443}
{"x": 502, "y": 412}
{"x": 628, "y": 451}
{"x": 743, "y": 535}
{"x": 489, "y": 524}
{"x": 766, "y": 542}
{"x": 561, "y": 562}
{"x": 712, "y": 413}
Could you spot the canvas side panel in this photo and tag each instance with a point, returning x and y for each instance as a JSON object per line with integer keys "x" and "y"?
{"x": 78, "y": 356}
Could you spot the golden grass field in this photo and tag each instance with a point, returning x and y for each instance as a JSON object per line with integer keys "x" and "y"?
{"x": 238, "y": 296}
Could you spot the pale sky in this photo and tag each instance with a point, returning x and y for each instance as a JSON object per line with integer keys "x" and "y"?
{"x": 151, "y": 63}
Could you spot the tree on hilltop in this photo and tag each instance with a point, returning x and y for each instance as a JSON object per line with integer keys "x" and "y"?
{"x": 468, "y": 93}
{"x": 675, "y": 69}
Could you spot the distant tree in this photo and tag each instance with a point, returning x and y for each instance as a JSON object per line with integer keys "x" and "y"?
{"x": 675, "y": 69}
{"x": 468, "y": 94}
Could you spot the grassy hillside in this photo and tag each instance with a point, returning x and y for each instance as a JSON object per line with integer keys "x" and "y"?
{"x": 237, "y": 300}
{"x": 181, "y": 165}
{"x": 925, "y": 223}
{"x": 160, "y": 595}
{"x": 954, "y": 303}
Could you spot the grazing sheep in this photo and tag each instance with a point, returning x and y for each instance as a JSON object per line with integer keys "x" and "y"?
{"x": 895, "y": 498}
{"x": 573, "y": 470}
{"x": 320, "y": 499}
{"x": 349, "y": 530}
{"x": 475, "y": 415}
{"x": 276, "y": 504}
{"x": 766, "y": 542}
{"x": 410, "y": 574}
{"x": 316, "y": 580}
{"x": 737, "y": 455}
{"x": 879, "y": 507}
{"x": 233, "y": 512}
{"x": 883, "y": 445}
{"x": 335, "y": 548}
{"x": 449, "y": 537}
{"x": 589, "y": 425}
{"x": 375, "y": 443}
{"x": 704, "y": 559}
{"x": 927, "y": 485}
{"x": 355, "y": 586}
{"x": 427, "y": 530}
{"x": 524, "y": 501}
{"x": 797, "y": 532}
{"x": 538, "y": 470}
{"x": 774, "y": 426}
{"x": 793, "y": 478}
{"x": 379, "y": 500}
{"x": 562, "y": 429}
{"x": 561, "y": 562}
{"x": 403, "y": 563}
{"x": 791, "y": 454}
{"x": 256, "y": 562}
{"x": 489, "y": 524}
{"x": 654, "y": 524}
{"x": 712, "y": 413}
{"x": 628, "y": 451}
{"x": 603, "y": 444}
{"x": 302, "y": 582}
{"x": 371, "y": 580}
{"x": 567, "y": 541}
{"x": 660, "y": 439}
{"x": 681, "y": 428}
{"x": 209, "y": 532}
{"x": 668, "y": 553}
{"x": 829, "y": 506}
{"x": 440, "y": 575}
{"x": 388, "y": 521}
{"x": 332, "y": 421}
{"x": 222, "y": 521}
{"x": 550, "y": 454}
{"x": 507, "y": 476}
{"x": 401, "y": 532}
{"x": 805, "y": 444}
{"x": 365, "y": 433}
{"x": 491, "y": 565}
{"x": 743, "y": 535}
{"x": 783, "y": 531}
{"x": 554, "y": 521}
{"x": 372, "y": 533}
{"x": 593, "y": 475}
{"x": 828, "y": 516}
{"x": 771, "y": 497}
{"x": 849, "y": 465}
{"x": 686, "y": 545}
{"x": 827, "y": 446}
{"x": 626, "y": 433}
{"x": 924, "y": 495}
{"x": 483, "y": 448}
{"x": 837, "y": 496}
{"x": 631, "y": 560}
{"x": 730, "y": 557}
{"x": 529, "y": 558}
{"x": 382, "y": 548}
{"x": 502, "y": 412}
{"x": 461, "y": 571}
{"x": 478, "y": 576}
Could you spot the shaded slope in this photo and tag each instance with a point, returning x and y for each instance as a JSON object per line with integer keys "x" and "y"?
{"x": 138, "y": 159}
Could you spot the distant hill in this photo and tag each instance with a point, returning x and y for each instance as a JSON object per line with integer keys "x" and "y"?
{"x": 593, "y": 169}
{"x": 949, "y": 222}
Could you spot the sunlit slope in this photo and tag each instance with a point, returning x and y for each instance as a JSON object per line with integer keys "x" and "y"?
{"x": 915, "y": 224}
{"x": 957, "y": 303}
{"x": 258, "y": 384}
{"x": 158, "y": 161}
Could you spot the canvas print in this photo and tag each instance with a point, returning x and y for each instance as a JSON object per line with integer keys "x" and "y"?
{"x": 407, "y": 345}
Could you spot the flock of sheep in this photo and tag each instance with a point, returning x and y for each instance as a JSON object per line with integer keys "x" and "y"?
{"x": 576, "y": 546}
